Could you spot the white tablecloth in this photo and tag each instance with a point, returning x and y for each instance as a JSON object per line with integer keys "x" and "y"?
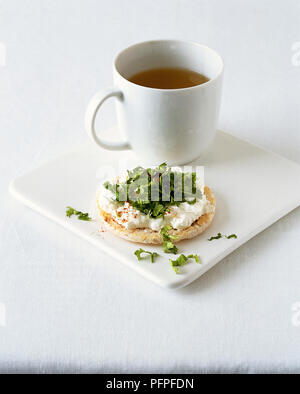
{"x": 62, "y": 305}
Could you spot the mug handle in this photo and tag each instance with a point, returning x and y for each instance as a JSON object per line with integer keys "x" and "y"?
{"x": 91, "y": 114}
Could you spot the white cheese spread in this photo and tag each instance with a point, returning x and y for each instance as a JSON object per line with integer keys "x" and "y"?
{"x": 179, "y": 217}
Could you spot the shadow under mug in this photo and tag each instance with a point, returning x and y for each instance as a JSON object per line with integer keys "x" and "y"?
{"x": 162, "y": 125}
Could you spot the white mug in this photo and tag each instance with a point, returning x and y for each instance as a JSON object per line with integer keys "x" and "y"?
{"x": 162, "y": 125}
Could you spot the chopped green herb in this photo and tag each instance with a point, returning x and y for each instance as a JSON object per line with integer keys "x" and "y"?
{"x": 216, "y": 237}
{"x": 163, "y": 166}
{"x": 194, "y": 256}
{"x": 80, "y": 215}
{"x": 153, "y": 191}
{"x": 168, "y": 245}
{"x": 164, "y": 231}
{"x": 153, "y": 255}
{"x": 223, "y": 236}
{"x": 70, "y": 211}
{"x": 158, "y": 210}
{"x": 231, "y": 236}
{"x": 181, "y": 261}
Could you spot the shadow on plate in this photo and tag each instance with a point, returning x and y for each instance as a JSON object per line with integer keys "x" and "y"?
{"x": 225, "y": 269}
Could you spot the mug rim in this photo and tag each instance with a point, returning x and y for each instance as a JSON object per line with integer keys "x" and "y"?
{"x": 195, "y": 43}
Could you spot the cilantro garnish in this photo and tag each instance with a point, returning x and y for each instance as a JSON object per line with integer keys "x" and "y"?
{"x": 194, "y": 256}
{"x": 231, "y": 236}
{"x": 216, "y": 237}
{"x": 80, "y": 215}
{"x": 183, "y": 260}
{"x": 223, "y": 236}
{"x": 138, "y": 253}
{"x": 153, "y": 191}
{"x": 168, "y": 245}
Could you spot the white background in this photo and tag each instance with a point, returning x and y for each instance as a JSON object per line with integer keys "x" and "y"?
{"x": 66, "y": 308}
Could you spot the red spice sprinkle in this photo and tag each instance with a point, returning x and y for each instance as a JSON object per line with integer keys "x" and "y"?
{"x": 123, "y": 213}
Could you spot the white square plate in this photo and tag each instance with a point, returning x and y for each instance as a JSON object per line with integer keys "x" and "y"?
{"x": 253, "y": 189}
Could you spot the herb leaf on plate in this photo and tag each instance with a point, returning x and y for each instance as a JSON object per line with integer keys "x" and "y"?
{"x": 216, "y": 237}
{"x": 140, "y": 251}
{"x": 181, "y": 261}
{"x": 80, "y": 215}
{"x": 196, "y": 257}
{"x": 231, "y": 236}
{"x": 223, "y": 236}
